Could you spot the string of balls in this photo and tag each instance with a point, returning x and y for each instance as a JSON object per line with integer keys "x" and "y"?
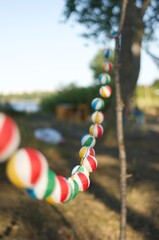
{"x": 28, "y": 168}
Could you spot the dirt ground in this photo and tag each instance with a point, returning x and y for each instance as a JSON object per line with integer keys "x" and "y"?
{"x": 94, "y": 214}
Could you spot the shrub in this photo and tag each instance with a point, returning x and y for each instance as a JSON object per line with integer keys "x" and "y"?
{"x": 71, "y": 95}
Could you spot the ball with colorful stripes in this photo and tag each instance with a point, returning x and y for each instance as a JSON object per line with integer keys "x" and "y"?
{"x": 104, "y": 78}
{"x": 62, "y": 191}
{"x": 88, "y": 140}
{"x": 97, "y": 117}
{"x": 44, "y": 187}
{"x": 105, "y": 91}
{"x": 90, "y": 163}
{"x": 26, "y": 167}
{"x": 74, "y": 188}
{"x": 85, "y": 151}
{"x": 9, "y": 137}
{"x": 107, "y": 53}
{"x": 107, "y": 66}
{"x": 97, "y": 103}
{"x": 79, "y": 168}
{"x": 96, "y": 130}
{"x": 82, "y": 180}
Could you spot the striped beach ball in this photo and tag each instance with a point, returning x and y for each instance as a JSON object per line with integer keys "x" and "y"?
{"x": 90, "y": 163}
{"x": 104, "y": 78}
{"x": 44, "y": 187}
{"x": 74, "y": 188}
{"x": 85, "y": 151}
{"x": 9, "y": 137}
{"x": 107, "y": 53}
{"x": 61, "y": 191}
{"x": 97, "y": 104}
{"x": 105, "y": 91}
{"x": 96, "y": 130}
{"x": 97, "y": 117}
{"x": 26, "y": 167}
{"x": 88, "y": 140}
{"x": 79, "y": 168}
{"x": 107, "y": 66}
{"x": 82, "y": 180}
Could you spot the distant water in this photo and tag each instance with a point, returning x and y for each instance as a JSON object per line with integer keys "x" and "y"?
{"x": 29, "y": 107}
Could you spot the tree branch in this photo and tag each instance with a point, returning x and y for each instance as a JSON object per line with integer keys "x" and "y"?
{"x": 122, "y": 19}
{"x": 146, "y": 3}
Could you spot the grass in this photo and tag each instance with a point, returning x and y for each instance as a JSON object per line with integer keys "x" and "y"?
{"x": 94, "y": 214}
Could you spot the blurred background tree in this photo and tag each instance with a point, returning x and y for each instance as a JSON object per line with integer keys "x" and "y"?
{"x": 102, "y": 17}
{"x": 156, "y": 84}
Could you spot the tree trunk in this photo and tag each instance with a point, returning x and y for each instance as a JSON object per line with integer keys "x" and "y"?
{"x": 130, "y": 51}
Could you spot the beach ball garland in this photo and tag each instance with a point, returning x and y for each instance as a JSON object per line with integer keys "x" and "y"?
{"x": 28, "y": 168}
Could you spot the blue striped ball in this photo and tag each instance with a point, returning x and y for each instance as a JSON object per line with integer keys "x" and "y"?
{"x": 97, "y": 104}
{"x": 104, "y": 78}
{"x": 107, "y": 53}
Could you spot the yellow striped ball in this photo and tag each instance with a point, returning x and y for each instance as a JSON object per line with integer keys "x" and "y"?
{"x": 96, "y": 130}
{"x": 105, "y": 91}
{"x": 26, "y": 167}
{"x": 97, "y": 117}
{"x": 85, "y": 151}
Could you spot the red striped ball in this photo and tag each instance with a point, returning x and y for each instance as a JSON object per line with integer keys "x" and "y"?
{"x": 26, "y": 167}
{"x": 9, "y": 137}
{"x": 96, "y": 130}
{"x": 107, "y": 66}
{"x": 85, "y": 151}
{"x": 82, "y": 180}
{"x": 90, "y": 163}
{"x": 105, "y": 91}
{"x": 62, "y": 191}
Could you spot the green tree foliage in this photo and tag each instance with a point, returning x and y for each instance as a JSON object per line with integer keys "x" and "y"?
{"x": 155, "y": 84}
{"x": 102, "y": 16}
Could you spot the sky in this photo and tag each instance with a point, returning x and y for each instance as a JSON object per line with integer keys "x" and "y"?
{"x": 39, "y": 52}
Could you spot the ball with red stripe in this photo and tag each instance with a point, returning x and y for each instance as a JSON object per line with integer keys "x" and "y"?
{"x": 9, "y": 137}
{"x": 105, "y": 91}
{"x": 26, "y": 167}
{"x": 79, "y": 168}
{"x": 62, "y": 191}
{"x": 85, "y": 151}
{"x": 90, "y": 163}
{"x": 107, "y": 66}
{"x": 96, "y": 130}
{"x": 82, "y": 180}
{"x": 74, "y": 189}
